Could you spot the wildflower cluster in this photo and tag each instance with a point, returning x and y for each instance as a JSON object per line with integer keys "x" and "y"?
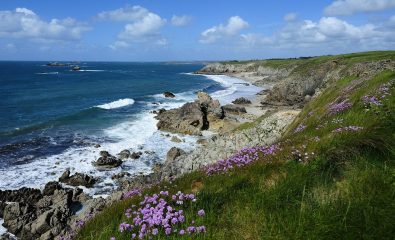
{"x": 243, "y": 157}
{"x": 376, "y": 100}
{"x": 132, "y": 193}
{"x": 158, "y": 213}
{"x": 301, "y": 156}
{"x": 300, "y": 128}
{"x": 347, "y": 129}
{"x": 335, "y": 108}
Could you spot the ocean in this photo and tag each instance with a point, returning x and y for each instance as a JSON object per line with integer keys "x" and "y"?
{"x": 52, "y": 118}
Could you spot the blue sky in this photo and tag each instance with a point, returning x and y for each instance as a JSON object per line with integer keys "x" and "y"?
{"x": 153, "y": 30}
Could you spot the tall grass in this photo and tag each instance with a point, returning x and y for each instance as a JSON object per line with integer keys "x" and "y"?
{"x": 345, "y": 190}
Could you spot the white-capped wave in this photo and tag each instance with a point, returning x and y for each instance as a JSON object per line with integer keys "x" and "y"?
{"x": 117, "y": 104}
{"x": 91, "y": 70}
{"x": 48, "y": 73}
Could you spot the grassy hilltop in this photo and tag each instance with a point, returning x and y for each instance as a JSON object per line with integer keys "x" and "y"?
{"x": 332, "y": 176}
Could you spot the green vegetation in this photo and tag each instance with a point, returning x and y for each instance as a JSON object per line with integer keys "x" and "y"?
{"x": 334, "y": 177}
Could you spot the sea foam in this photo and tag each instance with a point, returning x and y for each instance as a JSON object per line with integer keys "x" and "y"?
{"x": 117, "y": 104}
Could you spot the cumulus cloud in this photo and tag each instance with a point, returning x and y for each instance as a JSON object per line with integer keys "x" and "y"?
{"x": 142, "y": 26}
{"x": 290, "y": 17}
{"x": 349, "y": 7}
{"x": 180, "y": 21}
{"x": 234, "y": 25}
{"x": 23, "y": 22}
{"x": 327, "y": 32}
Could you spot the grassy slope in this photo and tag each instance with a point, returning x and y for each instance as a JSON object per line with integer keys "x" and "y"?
{"x": 346, "y": 190}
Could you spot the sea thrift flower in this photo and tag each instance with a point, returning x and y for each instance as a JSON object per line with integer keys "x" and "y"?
{"x": 132, "y": 193}
{"x": 335, "y": 108}
{"x": 201, "y": 229}
{"x": 182, "y": 232}
{"x": 157, "y": 211}
{"x": 300, "y": 128}
{"x": 243, "y": 157}
{"x": 348, "y": 128}
{"x": 201, "y": 213}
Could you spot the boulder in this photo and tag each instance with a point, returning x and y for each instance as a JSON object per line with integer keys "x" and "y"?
{"x": 169, "y": 95}
{"x": 24, "y": 194}
{"x": 78, "y": 179}
{"x": 173, "y": 153}
{"x": 175, "y": 139}
{"x": 202, "y": 141}
{"x": 136, "y": 155}
{"x": 233, "y": 109}
{"x": 107, "y": 161}
{"x": 124, "y": 154}
{"x": 241, "y": 100}
{"x": 192, "y": 117}
{"x": 50, "y": 188}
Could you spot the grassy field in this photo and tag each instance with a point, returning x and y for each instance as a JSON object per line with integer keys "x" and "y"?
{"x": 332, "y": 178}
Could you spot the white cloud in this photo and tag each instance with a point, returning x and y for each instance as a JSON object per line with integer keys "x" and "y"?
{"x": 290, "y": 17}
{"x": 180, "y": 21}
{"x": 119, "y": 45}
{"x": 142, "y": 26}
{"x": 147, "y": 26}
{"x": 126, "y": 14}
{"x": 349, "y": 7}
{"x": 234, "y": 25}
{"x": 22, "y": 23}
{"x": 328, "y": 32}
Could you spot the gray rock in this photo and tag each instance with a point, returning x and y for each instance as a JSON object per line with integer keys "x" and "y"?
{"x": 233, "y": 109}
{"x": 175, "y": 139}
{"x": 173, "y": 153}
{"x": 107, "y": 161}
{"x": 241, "y": 100}
{"x": 124, "y": 154}
{"x": 78, "y": 179}
{"x": 192, "y": 117}
{"x": 136, "y": 155}
{"x": 50, "y": 188}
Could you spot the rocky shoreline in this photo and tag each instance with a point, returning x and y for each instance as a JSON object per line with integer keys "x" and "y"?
{"x": 57, "y": 210}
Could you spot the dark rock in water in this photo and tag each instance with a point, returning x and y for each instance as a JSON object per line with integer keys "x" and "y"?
{"x": 233, "y": 109}
{"x": 97, "y": 145}
{"x": 120, "y": 175}
{"x": 107, "y": 161}
{"x": 202, "y": 141}
{"x": 169, "y": 95}
{"x": 173, "y": 153}
{"x": 78, "y": 179}
{"x": 136, "y": 155}
{"x": 50, "y": 188}
{"x": 241, "y": 100}
{"x": 124, "y": 154}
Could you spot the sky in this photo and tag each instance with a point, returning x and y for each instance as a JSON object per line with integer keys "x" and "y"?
{"x": 186, "y": 30}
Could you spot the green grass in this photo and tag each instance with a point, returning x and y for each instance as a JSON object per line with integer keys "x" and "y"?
{"x": 345, "y": 191}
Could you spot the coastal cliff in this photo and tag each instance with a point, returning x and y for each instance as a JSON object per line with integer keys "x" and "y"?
{"x": 314, "y": 143}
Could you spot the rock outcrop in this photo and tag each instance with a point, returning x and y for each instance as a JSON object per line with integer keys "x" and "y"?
{"x": 78, "y": 179}
{"x": 192, "y": 117}
{"x": 107, "y": 161}
{"x": 32, "y": 214}
{"x": 241, "y": 100}
{"x": 221, "y": 146}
